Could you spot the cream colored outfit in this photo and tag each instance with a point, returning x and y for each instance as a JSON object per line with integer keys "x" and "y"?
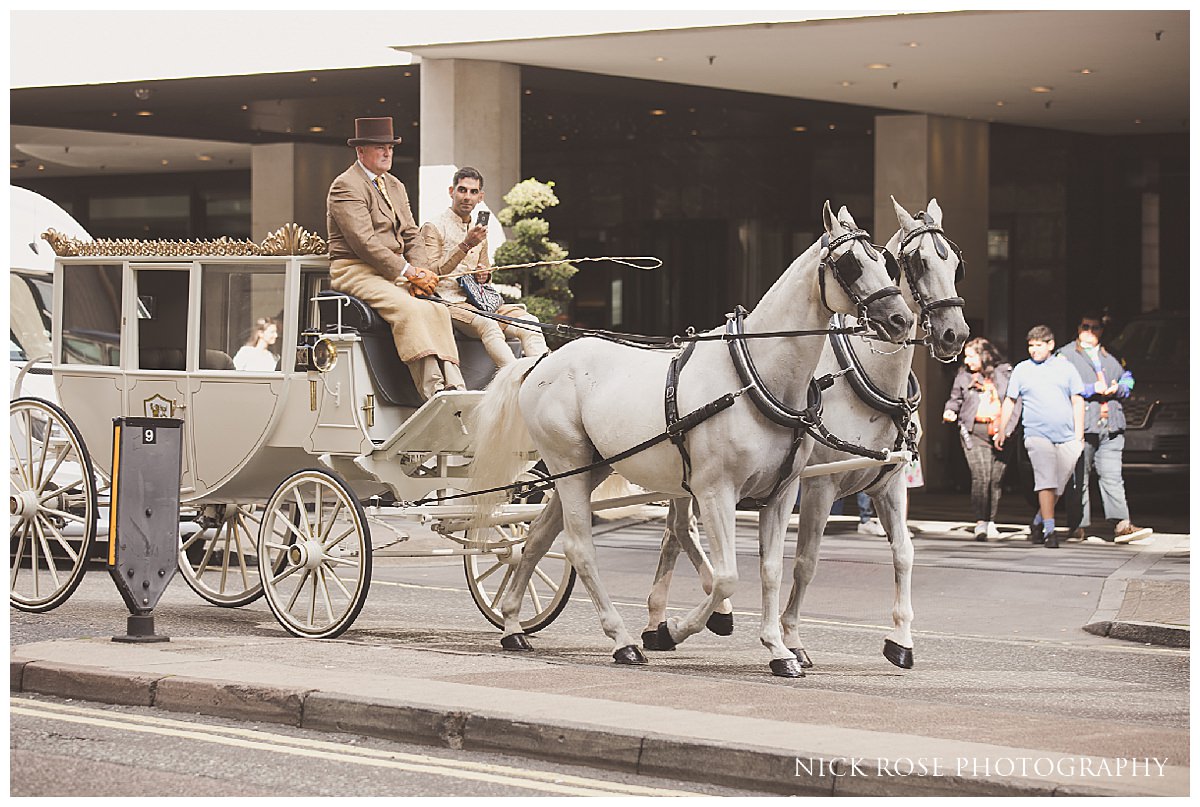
{"x": 443, "y": 239}
{"x": 370, "y": 238}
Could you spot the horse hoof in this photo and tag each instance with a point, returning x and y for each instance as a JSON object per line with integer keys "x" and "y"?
{"x": 629, "y": 654}
{"x": 658, "y": 639}
{"x": 720, "y": 624}
{"x": 802, "y": 657}
{"x": 902, "y": 657}
{"x": 786, "y": 668}
{"x": 515, "y": 641}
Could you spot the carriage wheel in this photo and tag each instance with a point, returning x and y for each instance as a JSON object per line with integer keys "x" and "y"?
{"x": 52, "y": 505}
{"x": 317, "y": 546}
{"x": 220, "y": 561}
{"x": 488, "y": 575}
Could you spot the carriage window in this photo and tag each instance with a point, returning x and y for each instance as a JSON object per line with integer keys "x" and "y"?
{"x": 162, "y": 315}
{"x": 241, "y": 317}
{"x": 91, "y": 317}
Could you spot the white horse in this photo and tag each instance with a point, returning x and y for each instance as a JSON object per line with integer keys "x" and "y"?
{"x": 856, "y": 409}
{"x": 595, "y": 398}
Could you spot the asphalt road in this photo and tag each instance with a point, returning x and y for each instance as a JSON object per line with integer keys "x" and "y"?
{"x": 998, "y": 625}
{"x": 63, "y": 748}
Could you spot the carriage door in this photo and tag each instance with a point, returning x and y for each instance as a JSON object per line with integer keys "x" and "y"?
{"x": 157, "y": 383}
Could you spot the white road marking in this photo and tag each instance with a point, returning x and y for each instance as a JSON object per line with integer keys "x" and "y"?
{"x": 558, "y": 784}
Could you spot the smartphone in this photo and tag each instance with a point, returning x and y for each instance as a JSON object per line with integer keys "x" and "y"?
{"x": 483, "y": 218}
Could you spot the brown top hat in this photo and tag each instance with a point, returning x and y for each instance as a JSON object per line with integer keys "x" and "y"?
{"x": 373, "y": 132}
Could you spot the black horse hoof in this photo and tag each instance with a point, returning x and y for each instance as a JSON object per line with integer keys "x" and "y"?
{"x": 658, "y": 639}
{"x": 802, "y": 657}
{"x": 515, "y": 641}
{"x": 902, "y": 657}
{"x": 629, "y": 654}
{"x": 720, "y": 624}
{"x": 786, "y": 668}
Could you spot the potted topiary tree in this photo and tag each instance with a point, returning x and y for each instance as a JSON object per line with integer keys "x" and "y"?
{"x": 545, "y": 289}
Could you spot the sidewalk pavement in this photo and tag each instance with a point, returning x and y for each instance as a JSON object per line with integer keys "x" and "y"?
{"x": 792, "y": 740}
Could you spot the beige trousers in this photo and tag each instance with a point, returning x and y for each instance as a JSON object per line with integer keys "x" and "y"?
{"x": 422, "y": 331}
{"x": 493, "y": 333}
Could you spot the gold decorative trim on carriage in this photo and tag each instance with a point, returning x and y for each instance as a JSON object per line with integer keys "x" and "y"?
{"x": 290, "y": 239}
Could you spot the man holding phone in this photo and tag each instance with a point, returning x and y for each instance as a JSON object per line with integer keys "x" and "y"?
{"x": 458, "y": 249}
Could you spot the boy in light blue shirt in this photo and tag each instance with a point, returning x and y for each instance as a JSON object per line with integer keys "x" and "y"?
{"x": 1051, "y": 394}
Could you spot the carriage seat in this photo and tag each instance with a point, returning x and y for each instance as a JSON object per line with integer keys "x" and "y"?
{"x": 390, "y": 376}
{"x": 152, "y": 358}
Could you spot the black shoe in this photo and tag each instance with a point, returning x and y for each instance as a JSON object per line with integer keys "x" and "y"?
{"x": 1051, "y": 541}
{"x": 1036, "y": 536}
{"x": 981, "y": 537}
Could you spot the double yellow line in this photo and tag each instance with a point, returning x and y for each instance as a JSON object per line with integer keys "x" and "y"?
{"x": 558, "y": 784}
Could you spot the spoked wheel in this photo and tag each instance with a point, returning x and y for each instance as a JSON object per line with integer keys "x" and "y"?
{"x": 316, "y": 543}
{"x": 52, "y": 505}
{"x": 220, "y": 560}
{"x": 490, "y": 575}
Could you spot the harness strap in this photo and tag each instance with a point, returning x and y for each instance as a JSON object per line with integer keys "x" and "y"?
{"x": 672, "y": 408}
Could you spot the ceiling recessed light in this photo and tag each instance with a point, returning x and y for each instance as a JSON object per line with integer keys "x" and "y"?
{"x": 245, "y": 107}
{"x": 529, "y": 92}
{"x": 847, "y": 83}
{"x": 165, "y": 162}
{"x": 41, "y": 167}
{"x": 416, "y": 123}
{"x": 1137, "y": 121}
{"x": 695, "y": 132}
{"x": 316, "y": 129}
{"x": 1041, "y": 88}
{"x": 408, "y": 74}
{"x": 912, "y": 44}
{"x": 144, "y": 113}
{"x": 383, "y": 100}
{"x": 1085, "y": 71}
{"x": 799, "y": 128}
{"x": 14, "y": 166}
{"x": 832, "y": 126}
{"x": 658, "y": 112}
{"x": 204, "y": 158}
{"x": 313, "y": 79}
{"x": 999, "y": 103}
{"x": 115, "y": 114}
{"x": 878, "y": 66}
{"x": 660, "y": 58}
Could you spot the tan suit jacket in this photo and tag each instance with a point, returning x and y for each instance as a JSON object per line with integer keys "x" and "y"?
{"x": 362, "y": 227}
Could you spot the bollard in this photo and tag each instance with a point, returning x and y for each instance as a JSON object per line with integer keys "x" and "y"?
{"x": 143, "y": 534}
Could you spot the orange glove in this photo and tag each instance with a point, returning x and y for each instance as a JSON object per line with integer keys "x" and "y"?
{"x": 422, "y": 280}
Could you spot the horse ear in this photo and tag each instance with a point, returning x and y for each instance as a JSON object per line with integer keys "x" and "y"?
{"x": 827, "y": 217}
{"x": 935, "y": 212}
{"x": 907, "y": 222}
{"x": 846, "y": 220}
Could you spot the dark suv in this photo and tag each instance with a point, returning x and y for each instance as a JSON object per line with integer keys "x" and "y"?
{"x": 1155, "y": 348}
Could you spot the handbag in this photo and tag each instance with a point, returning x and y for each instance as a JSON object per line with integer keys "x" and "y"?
{"x": 481, "y": 295}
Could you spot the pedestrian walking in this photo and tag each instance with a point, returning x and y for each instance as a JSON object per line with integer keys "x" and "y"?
{"x": 1051, "y": 392}
{"x": 974, "y": 405}
{"x": 1106, "y": 384}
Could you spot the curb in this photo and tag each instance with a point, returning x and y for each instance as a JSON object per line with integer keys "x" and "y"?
{"x": 645, "y": 753}
{"x": 1154, "y": 633}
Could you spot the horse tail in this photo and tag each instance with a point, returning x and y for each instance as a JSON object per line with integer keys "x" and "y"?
{"x": 500, "y": 437}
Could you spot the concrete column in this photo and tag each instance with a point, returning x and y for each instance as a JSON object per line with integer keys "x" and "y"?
{"x": 470, "y": 115}
{"x": 289, "y": 183}
{"x": 919, "y": 157}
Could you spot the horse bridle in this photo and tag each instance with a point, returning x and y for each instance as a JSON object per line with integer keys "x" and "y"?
{"x": 829, "y": 245}
{"x": 907, "y": 259}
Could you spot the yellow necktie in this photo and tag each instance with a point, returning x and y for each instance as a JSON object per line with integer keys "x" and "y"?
{"x": 383, "y": 190}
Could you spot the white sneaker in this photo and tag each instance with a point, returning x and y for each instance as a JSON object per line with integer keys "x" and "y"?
{"x": 872, "y": 527}
{"x": 992, "y": 532}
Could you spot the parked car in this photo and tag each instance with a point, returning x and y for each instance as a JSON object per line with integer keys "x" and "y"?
{"x": 1155, "y": 348}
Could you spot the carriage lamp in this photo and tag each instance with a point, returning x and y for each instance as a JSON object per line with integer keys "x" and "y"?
{"x": 324, "y": 355}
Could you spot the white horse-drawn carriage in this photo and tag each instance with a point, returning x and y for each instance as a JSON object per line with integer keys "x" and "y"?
{"x": 279, "y": 461}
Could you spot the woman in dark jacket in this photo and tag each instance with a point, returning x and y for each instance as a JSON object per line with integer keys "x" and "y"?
{"x": 974, "y": 404}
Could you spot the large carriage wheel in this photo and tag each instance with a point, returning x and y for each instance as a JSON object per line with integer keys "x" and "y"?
{"x": 489, "y": 575}
{"x": 317, "y": 549}
{"x": 51, "y": 505}
{"x": 220, "y": 560}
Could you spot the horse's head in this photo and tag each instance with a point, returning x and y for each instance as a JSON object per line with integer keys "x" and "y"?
{"x": 932, "y": 264}
{"x": 864, "y": 283}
